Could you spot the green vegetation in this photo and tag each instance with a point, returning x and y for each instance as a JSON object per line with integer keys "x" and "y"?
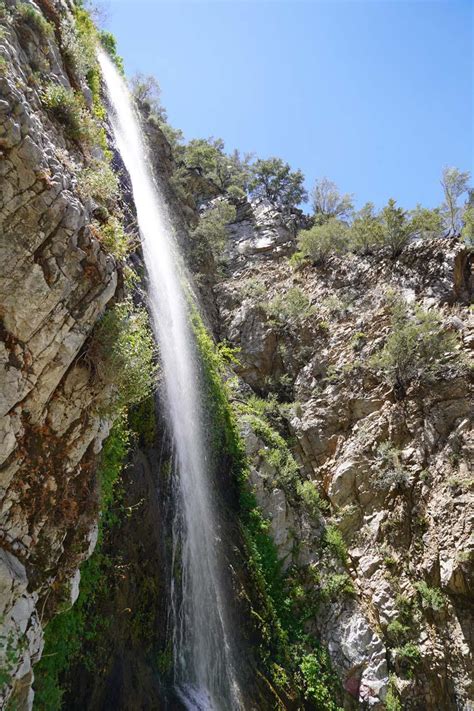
{"x": 397, "y": 632}
{"x": 396, "y": 228}
{"x": 114, "y": 238}
{"x": 109, "y": 43}
{"x": 311, "y": 498}
{"x": 416, "y": 348}
{"x": 409, "y": 656}
{"x": 317, "y": 680}
{"x": 432, "y": 598}
{"x": 321, "y": 241}
{"x": 366, "y": 233}
{"x": 78, "y": 43}
{"x": 122, "y": 350}
{"x": 274, "y": 180}
{"x": 98, "y": 181}
{"x": 390, "y": 472}
{"x": 287, "y": 653}
{"x": 276, "y": 451}
{"x": 467, "y": 232}
{"x": 289, "y": 308}
{"x": 392, "y": 700}
{"x": 11, "y": 646}
{"x": 333, "y": 538}
{"x": 35, "y": 19}
{"x": 335, "y": 586}
{"x": 212, "y": 226}
{"x": 426, "y": 223}
{"x": 68, "y": 107}
{"x": 230, "y": 172}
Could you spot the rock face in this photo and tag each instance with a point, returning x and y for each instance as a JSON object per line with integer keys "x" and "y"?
{"x": 405, "y": 515}
{"x": 54, "y": 284}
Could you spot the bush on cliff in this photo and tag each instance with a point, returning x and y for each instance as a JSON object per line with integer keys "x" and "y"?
{"x": 321, "y": 241}
{"x": 274, "y": 180}
{"x": 122, "y": 351}
{"x": 212, "y": 227}
{"x": 416, "y": 348}
{"x": 68, "y": 107}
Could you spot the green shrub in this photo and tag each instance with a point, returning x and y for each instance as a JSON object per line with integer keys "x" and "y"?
{"x": 114, "y": 238}
{"x": 68, "y": 108}
{"x": 98, "y": 182}
{"x": 467, "y": 232}
{"x": 366, "y": 232}
{"x": 337, "y": 585}
{"x": 406, "y": 608}
{"x": 289, "y": 308}
{"x": 392, "y": 700}
{"x": 253, "y": 288}
{"x": 311, "y": 498}
{"x": 430, "y": 597}
{"x": 11, "y": 646}
{"x": 317, "y": 680}
{"x": 397, "y": 632}
{"x": 426, "y": 223}
{"x": 122, "y": 350}
{"x": 321, "y": 241}
{"x": 212, "y": 226}
{"x": 35, "y": 19}
{"x": 297, "y": 260}
{"x": 390, "y": 472}
{"x": 78, "y": 43}
{"x": 397, "y": 230}
{"x": 415, "y": 348}
{"x": 409, "y": 656}
{"x": 333, "y": 538}
{"x": 236, "y": 193}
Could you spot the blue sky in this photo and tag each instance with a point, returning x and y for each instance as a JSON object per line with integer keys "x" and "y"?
{"x": 376, "y": 95}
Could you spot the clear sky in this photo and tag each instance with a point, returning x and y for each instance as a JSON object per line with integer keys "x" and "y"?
{"x": 376, "y": 95}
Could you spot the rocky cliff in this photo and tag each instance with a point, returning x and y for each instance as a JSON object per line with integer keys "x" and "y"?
{"x": 389, "y": 471}
{"x": 55, "y": 282}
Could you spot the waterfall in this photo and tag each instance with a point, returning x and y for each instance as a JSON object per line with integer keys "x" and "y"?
{"x": 203, "y": 661}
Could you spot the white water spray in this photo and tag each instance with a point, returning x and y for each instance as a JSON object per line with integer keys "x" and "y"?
{"x": 203, "y": 662}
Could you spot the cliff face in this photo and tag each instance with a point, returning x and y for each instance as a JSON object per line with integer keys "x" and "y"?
{"x": 54, "y": 284}
{"x": 391, "y": 470}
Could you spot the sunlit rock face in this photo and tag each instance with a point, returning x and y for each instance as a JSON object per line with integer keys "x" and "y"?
{"x": 400, "y": 530}
{"x": 54, "y": 284}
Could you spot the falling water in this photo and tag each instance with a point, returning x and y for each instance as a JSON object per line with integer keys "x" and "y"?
{"x": 204, "y": 669}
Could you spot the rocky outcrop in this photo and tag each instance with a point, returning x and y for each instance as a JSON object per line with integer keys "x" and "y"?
{"x": 54, "y": 284}
{"x": 394, "y": 470}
